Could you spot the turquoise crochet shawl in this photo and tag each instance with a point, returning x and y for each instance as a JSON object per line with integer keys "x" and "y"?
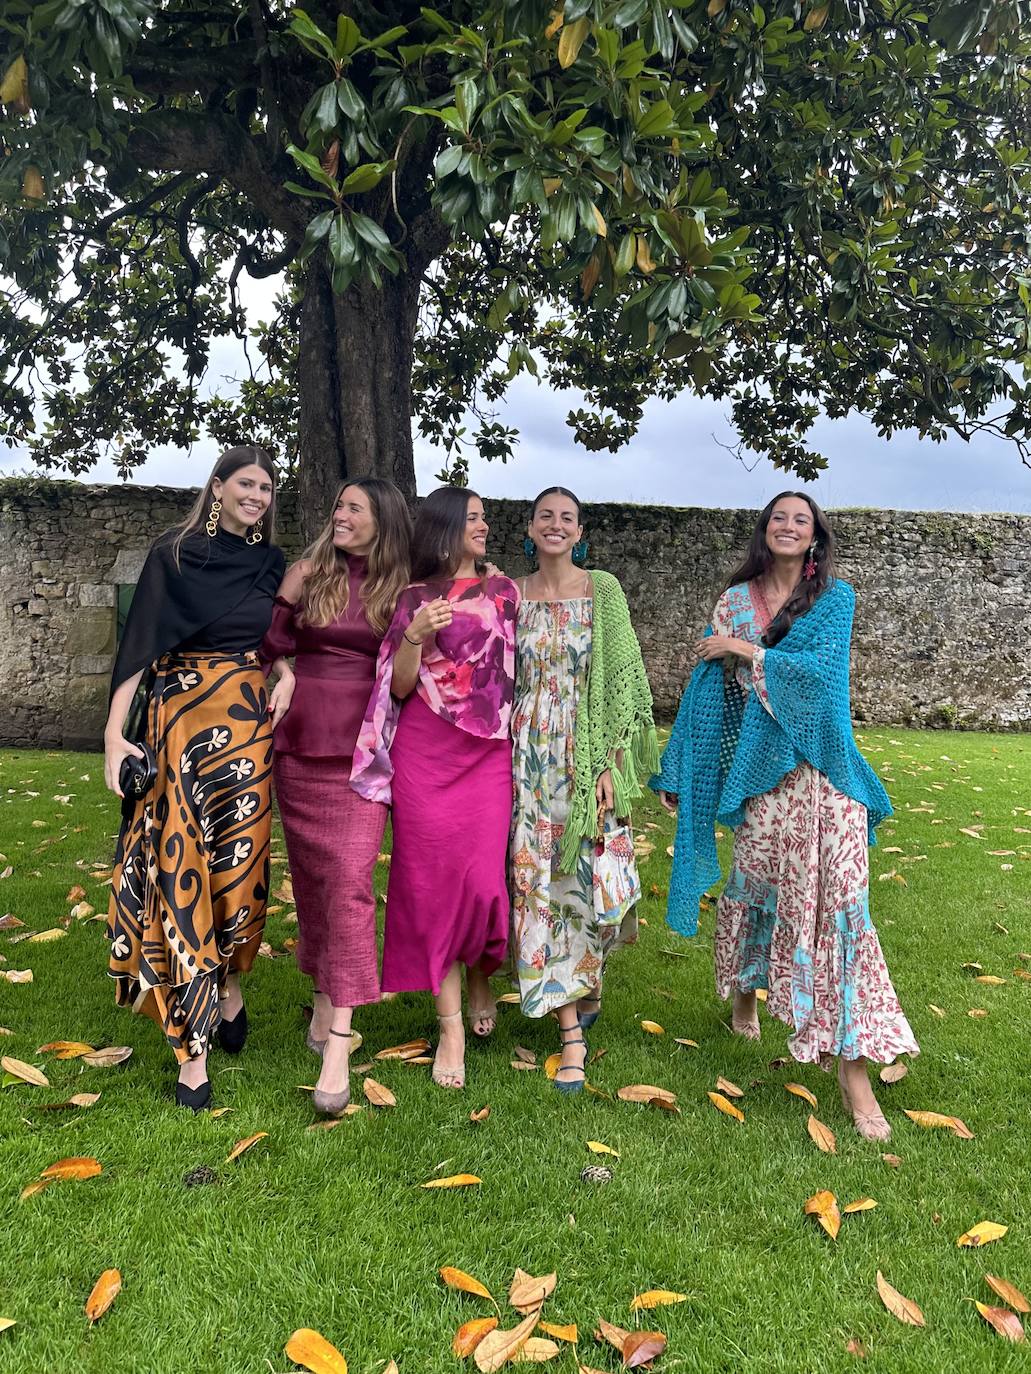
{"x": 727, "y": 747}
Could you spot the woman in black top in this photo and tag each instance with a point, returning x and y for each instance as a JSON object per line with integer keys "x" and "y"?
{"x": 191, "y": 873}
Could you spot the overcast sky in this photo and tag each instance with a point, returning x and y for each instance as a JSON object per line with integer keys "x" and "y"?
{"x": 676, "y": 458}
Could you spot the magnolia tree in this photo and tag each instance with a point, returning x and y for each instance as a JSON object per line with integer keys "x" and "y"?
{"x": 798, "y": 208}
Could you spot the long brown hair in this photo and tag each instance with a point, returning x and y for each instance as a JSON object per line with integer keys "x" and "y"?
{"x": 758, "y": 561}
{"x": 439, "y": 535}
{"x": 325, "y": 591}
{"x": 232, "y": 460}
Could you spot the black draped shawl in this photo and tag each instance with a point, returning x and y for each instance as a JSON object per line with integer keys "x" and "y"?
{"x": 174, "y": 605}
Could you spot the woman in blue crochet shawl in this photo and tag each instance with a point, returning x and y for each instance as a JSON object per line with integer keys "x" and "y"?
{"x": 763, "y": 743}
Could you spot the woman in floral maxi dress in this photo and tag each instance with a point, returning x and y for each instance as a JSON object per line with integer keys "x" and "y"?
{"x": 794, "y": 915}
{"x": 569, "y": 621}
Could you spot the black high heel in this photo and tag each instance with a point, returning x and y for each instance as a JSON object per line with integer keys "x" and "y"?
{"x": 232, "y": 1035}
{"x": 194, "y": 1098}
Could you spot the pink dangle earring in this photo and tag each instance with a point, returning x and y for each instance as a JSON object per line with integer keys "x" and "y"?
{"x": 809, "y": 571}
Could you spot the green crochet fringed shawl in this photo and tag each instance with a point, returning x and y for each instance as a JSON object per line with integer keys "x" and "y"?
{"x": 615, "y": 728}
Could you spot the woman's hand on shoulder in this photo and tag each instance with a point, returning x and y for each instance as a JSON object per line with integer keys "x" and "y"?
{"x": 116, "y": 749}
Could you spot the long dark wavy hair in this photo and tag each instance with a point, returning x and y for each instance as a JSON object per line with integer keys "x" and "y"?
{"x": 439, "y": 533}
{"x": 758, "y": 561}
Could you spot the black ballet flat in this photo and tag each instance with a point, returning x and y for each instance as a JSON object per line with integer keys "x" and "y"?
{"x": 232, "y": 1035}
{"x": 194, "y": 1098}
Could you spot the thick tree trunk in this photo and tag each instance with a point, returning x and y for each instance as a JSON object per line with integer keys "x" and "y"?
{"x": 355, "y": 388}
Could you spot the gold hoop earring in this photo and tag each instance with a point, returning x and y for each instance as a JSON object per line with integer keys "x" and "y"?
{"x": 255, "y": 535}
{"x": 213, "y": 514}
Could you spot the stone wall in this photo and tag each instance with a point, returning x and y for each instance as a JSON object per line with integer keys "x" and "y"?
{"x": 941, "y": 638}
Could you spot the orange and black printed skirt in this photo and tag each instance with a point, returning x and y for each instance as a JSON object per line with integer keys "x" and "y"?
{"x": 191, "y": 874}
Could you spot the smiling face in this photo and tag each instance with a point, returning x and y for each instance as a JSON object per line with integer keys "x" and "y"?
{"x": 245, "y": 497}
{"x": 791, "y": 529}
{"x": 474, "y": 545}
{"x": 555, "y": 525}
{"x": 354, "y": 524}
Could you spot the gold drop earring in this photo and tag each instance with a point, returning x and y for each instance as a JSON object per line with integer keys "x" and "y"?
{"x": 213, "y": 514}
{"x": 255, "y": 535}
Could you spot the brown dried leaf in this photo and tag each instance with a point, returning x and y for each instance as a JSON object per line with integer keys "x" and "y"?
{"x": 465, "y": 1283}
{"x": 470, "y": 1334}
{"x": 10, "y": 922}
{"x": 480, "y": 1115}
{"x": 106, "y": 1058}
{"x": 28, "y": 1073}
{"x": 536, "y": 1350}
{"x": 977, "y": 1013}
{"x": 615, "y": 1335}
{"x": 937, "y": 1011}
{"x": 75, "y": 894}
{"x": 76, "y": 1100}
{"x": 77, "y": 1166}
{"x": 640, "y": 1347}
{"x": 862, "y": 1204}
{"x": 377, "y": 1094}
{"x": 724, "y": 1105}
{"x": 895, "y": 1161}
{"x": 664, "y": 1104}
{"x": 521, "y": 1064}
{"x": 893, "y": 1073}
{"x": 656, "y": 1297}
{"x": 17, "y": 975}
{"x": 105, "y": 1290}
{"x": 644, "y": 1092}
{"x": 36, "y": 1186}
{"x": 857, "y": 1348}
{"x": 799, "y": 1090}
{"x": 691, "y": 1044}
{"x": 527, "y": 1056}
{"x": 729, "y": 1089}
{"x": 561, "y": 1333}
{"x": 242, "y": 1146}
{"x": 1007, "y": 1323}
{"x": 990, "y": 980}
{"x": 824, "y": 1207}
{"x": 904, "y": 1309}
{"x": 499, "y": 1347}
{"x": 982, "y": 1234}
{"x": 312, "y": 1350}
{"x": 526, "y": 1293}
{"x": 66, "y": 1049}
{"x": 409, "y": 1050}
{"x": 822, "y": 1136}
{"x": 455, "y": 1181}
{"x": 1008, "y": 1292}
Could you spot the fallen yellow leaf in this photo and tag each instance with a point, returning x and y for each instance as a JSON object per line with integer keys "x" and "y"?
{"x": 481, "y": 1114}
{"x": 643, "y": 1092}
{"x": 822, "y": 1136}
{"x": 465, "y": 1283}
{"x": 78, "y": 1166}
{"x": 863, "y": 1204}
{"x": 652, "y": 1027}
{"x": 309, "y": 1348}
{"x": 455, "y": 1181}
{"x": 36, "y": 1186}
{"x": 536, "y": 1350}
{"x": 103, "y": 1294}
{"x": 656, "y": 1297}
{"x": 982, "y": 1234}
{"x": 469, "y": 1335}
{"x": 242, "y": 1146}
{"x": 904, "y": 1309}
{"x": 931, "y": 1120}
{"x": 107, "y": 1057}
{"x": 43, "y": 937}
{"x": 1009, "y": 1292}
{"x": 692, "y": 1044}
{"x": 551, "y": 1064}
{"x": 799, "y": 1090}
{"x": 411, "y": 1049}
{"x": 561, "y": 1333}
{"x": 6, "y": 1323}
{"x": 597, "y": 1148}
{"x": 66, "y": 1049}
{"x": 724, "y": 1105}
{"x": 824, "y": 1207}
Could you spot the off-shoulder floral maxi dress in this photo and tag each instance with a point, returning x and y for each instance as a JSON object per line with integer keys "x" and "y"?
{"x": 794, "y": 916}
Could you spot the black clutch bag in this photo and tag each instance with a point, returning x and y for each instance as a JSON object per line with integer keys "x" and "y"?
{"x": 136, "y": 776}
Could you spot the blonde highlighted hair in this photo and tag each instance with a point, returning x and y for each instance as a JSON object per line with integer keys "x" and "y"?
{"x": 324, "y": 594}
{"x": 229, "y": 462}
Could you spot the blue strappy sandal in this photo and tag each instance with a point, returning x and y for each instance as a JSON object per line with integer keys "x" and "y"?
{"x": 569, "y": 1087}
{"x": 588, "y": 1018}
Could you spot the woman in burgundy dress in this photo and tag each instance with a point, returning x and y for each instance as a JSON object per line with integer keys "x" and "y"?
{"x": 436, "y": 742}
{"x": 331, "y": 613}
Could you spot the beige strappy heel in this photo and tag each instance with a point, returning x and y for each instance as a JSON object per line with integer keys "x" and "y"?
{"x": 445, "y": 1075}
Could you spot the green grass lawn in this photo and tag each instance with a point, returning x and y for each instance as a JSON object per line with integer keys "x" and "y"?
{"x": 330, "y": 1229}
